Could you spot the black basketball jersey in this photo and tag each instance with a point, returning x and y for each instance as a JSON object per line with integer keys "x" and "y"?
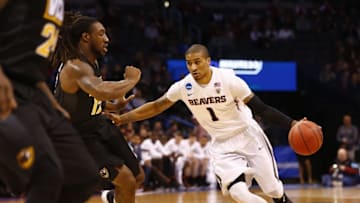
{"x": 82, "y": 107}
{"x": 29, "y": 31}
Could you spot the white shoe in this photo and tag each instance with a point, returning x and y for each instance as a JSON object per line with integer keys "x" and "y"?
{"x": 107, "y": 196}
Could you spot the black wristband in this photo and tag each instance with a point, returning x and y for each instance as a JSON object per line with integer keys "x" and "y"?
{"x": 269, "y": 114}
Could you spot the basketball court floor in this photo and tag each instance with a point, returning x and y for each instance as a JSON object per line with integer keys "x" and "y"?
{"x": 298, "y": 193}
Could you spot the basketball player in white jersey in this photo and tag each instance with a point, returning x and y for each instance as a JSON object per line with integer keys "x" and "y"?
{"x": 239, "y": 149}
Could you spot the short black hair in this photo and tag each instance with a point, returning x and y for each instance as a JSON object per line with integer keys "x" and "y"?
{"x": 196, "y": 48}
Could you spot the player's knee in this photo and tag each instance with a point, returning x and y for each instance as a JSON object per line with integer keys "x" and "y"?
{"x": 124, "y": 178}
{"x": 274, "y": 193}
{"x": 239, "y": 192}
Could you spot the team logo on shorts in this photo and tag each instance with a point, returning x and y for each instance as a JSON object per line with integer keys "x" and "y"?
{"x": 104, "y": 173}
{"x": 26, "y": 157}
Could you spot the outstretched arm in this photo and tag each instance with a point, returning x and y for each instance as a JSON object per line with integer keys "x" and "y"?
{"x": 143, "y": 112}
{"x": 241, "y": 90}
{"x": 79, "y": 75}
{"x": 269, "y": 113}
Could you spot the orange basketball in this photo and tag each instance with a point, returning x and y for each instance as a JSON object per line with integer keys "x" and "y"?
{"x": 305, "y": 137}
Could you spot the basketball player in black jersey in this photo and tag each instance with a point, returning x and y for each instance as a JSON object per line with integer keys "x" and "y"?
{"x": 82, "y": 92}
{"x": 41, "y": 154}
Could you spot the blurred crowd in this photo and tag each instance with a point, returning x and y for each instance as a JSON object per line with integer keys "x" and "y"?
{"x": 171, "y": 159}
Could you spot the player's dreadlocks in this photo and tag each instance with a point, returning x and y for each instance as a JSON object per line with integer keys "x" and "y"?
{"x": 74, "y": 25}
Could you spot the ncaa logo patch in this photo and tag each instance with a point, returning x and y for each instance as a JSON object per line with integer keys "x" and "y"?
{"x": 188, "y": 86}
{"x": 189, "y": 89}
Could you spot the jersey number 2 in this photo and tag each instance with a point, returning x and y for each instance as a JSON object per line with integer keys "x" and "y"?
{"x": 50, "y": 32}
{"x": 212, "y": 114}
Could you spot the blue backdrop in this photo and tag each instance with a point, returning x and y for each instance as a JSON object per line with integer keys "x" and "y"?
{"x": 287, "y": 162}
{"x": 270, "y": 75}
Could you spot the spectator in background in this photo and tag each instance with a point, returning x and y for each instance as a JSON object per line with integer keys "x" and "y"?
{"x": 205, "y": 170}
{"x": 327, "y": 74}
{"x": 305, "y": 168}
{"x": 175, "y": 147}
{"x": 153, "y": 153}
{"x": 172, "y": 129}
{"x": 158, "y": 126}
{"x": 138, "y": 99}
{"x": 198, "y": 130}
{"x": 347, "y": 136}
{"x": 342, "y": 171}
{"x": 135, "y": 144}
{"x": 194, "y": 155}
{"x": 286, "y": 33}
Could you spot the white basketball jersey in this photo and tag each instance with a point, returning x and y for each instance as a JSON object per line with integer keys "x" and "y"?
{"x": 217, "y": 106}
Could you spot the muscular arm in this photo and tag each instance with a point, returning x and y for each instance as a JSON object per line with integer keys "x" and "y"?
{"x": 268, "y": 113}
{"x": 143, "y": 112}
{"x": 79, "y": 75}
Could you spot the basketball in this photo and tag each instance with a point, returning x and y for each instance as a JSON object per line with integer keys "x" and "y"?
{"x": 305, "y": 137}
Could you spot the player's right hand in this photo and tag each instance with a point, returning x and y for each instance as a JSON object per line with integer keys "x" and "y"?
{"x": 132, "y": 73}
{"x": 7, "y": 98}
{"x": 114, "y": 117}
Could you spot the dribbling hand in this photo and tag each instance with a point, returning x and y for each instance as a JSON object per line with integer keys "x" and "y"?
{"x": 296, "y": 121}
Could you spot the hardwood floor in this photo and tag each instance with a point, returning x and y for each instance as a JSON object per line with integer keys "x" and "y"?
{"x": 298, "y": 194}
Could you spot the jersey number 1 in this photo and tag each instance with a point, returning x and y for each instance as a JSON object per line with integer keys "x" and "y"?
{"x": 212, "y": 114}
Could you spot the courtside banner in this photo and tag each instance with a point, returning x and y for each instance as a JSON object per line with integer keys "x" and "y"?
{"x": 287, "y": 162}
{"x": 259, "y": 75}
{"x": 264, "y": 75}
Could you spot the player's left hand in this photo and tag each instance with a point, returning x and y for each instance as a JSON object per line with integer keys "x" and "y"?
{"x": 296, "y": 121}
